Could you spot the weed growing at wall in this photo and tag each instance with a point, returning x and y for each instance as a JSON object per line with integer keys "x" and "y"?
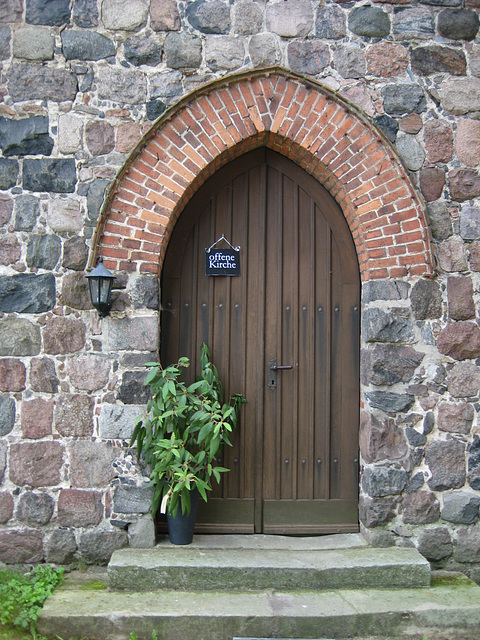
{"x": 22, "y": 595}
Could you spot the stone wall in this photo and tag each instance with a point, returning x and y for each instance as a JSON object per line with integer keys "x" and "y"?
{"x": 81, "y": 83}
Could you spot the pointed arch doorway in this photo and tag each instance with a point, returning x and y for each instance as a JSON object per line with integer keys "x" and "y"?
{"x": 294, "y": 463}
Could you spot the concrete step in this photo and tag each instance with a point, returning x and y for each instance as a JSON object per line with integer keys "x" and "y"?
{"x": 440, "y": 612}
{"x": 267, "y": 562}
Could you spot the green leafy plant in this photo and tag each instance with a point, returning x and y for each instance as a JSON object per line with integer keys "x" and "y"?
{"x": 182, "y": 431}
{"x": 22, "y": 595}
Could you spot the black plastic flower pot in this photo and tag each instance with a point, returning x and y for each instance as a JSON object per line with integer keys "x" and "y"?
{"x": 180, "y": 528}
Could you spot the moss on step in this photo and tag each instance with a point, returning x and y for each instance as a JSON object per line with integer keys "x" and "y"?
{"x": 94, "y": 585}
{"x": 450, "y": 579}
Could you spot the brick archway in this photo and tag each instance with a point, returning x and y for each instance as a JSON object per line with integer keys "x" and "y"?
{"x": 296, "y": 117}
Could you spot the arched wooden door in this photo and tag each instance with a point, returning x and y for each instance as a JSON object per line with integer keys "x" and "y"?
{"x": 294, "y": 464}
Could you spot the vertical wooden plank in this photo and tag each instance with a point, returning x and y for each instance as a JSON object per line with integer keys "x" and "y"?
{"x": 321, "y": 477}
{"x": 288, "y": 355}
{"x": 306, "y": 350}
{"x": 272, "y": 336}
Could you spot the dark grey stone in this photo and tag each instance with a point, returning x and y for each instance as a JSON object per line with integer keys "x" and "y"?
{"x": 142, "y": 50}
{"x": 444, "y": 3}
{"x": 209, "y": 17}
{"x": 400, "y": 99}
{"x": 416, "y": 482}
{"x": 145, "y": 293}
{"x": 50, "y": 12}
{"x": 440, "y": 220}
{"x": 19, "y": 337}
{"x": 458, "y": 24}
{"x": 132, "y": 388}
{"x": 414, "y": 438}
{"x": 390, "y": 402}
{"x": 25, "y": 137}
{"x": 428, "y": 422}
{"x": 29, "y": 81}
{"x": 474, "y": 463}
{"x": 58, "y": 175}
{"x": 426, "y": 299}
{"x": 95, "y": 197}
{"x": 5, "y": 38}
{"x": 385, "y": 290}
{"x": 43, "y": 252}
{"x": 380, "y": 326}
{"x": 330, "y": 23}
{"x": 85, "y": 13}
{"x": 433, "y": 59}
{"x": 388, "y": 125}
{"x": 155, "y": 108}
{"x": 388, "y": 364}
{"x": 86, "y": 45}
{"x": 60, "y": 548}
{"x": 435, "y": 544}
{"x": 383, "y": 481}
{"x": 413, "y": 23}
{"x": 26, "y": 212}
{"x": 447, "y": 464}
{"x": 7, "y": 415}
{"x": 27, "y": 293}
{"x": 8, "y": 173}
{"x": 183, "y": 51}
{"x": 371, "y": 22}
{"x": 460, "y": 507}
{"x": 376, "y": 512}
{"x": 35, "y": 508}
{"x": 96, "y": 547}
{"x": 132, "y": 499}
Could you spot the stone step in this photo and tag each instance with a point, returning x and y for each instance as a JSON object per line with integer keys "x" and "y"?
{"x": 261, "y": 563}
{"x": 442, "y": 612}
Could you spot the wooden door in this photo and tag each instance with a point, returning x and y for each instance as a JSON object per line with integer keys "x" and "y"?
{"x": 285, "y": 333}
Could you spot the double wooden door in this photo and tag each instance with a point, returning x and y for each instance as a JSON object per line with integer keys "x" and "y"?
{"x": 285, "y": 333}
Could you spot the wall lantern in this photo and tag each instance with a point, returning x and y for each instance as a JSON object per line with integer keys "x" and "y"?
{"x": 100, "y": 281}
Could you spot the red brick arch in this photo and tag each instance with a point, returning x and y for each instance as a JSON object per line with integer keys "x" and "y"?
{"x": 300, "y": 119}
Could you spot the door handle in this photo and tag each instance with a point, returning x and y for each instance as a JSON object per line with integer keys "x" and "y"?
{"x": 273, "y": 367}
{"x": 278, "y": 367}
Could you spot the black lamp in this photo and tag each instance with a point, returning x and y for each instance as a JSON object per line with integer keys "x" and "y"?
{"x": 100, "y": 281}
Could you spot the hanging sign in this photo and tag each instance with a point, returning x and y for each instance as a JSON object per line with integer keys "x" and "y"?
{"x": 222, "y": 262}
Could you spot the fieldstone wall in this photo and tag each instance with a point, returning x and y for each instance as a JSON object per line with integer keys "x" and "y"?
{"x": 81, "y": 82}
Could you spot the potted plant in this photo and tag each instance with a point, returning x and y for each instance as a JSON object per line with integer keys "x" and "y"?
{"x": 180, "y": 435}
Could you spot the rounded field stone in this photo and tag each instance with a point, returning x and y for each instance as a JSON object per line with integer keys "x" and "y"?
{"x": 438, "y": 137}
{"x": 12, "y": 375}
{"x": 74, "y": 415}
{"x": 79, "y": 508}
{"x": 386, "y": 60}
{"x": 164, "y": 15}
{"x": 43, "y": 377}
{"x": 6, "y": 507}
{"x": 460, "y": 507}
{"x": 63, "y": 335}
{"x": 21, "y": 546}
{"x": 446, "y": 461}
{"x": 7, "y": 415}
{"x": 96, "y": 547}
{"x": 209, "y": 17}
{"x": 435, "y": 544}
{"x": 420, "y": 507}
{"x": 60, "y": 547}
{"x": 35, "y": 508}
{"x": 460, "y": 341}
{"x": 19, "y": 337}
{"x": 458, "y": 24}
{"x": 467, "y": 142}
{"x": 433, "y": 59}
{"x": 99, "y": 137}
{"x": 309, "y": 57}
{"x": 370, "y": 22}
{"x": 380, "y": 439}
{"x": 432, "y": 182}
{"x": 37, "y": 418}
{"x": 37, "y": 464}
{"x": 330, "y": 23}
{"x": 124, "y": 15}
